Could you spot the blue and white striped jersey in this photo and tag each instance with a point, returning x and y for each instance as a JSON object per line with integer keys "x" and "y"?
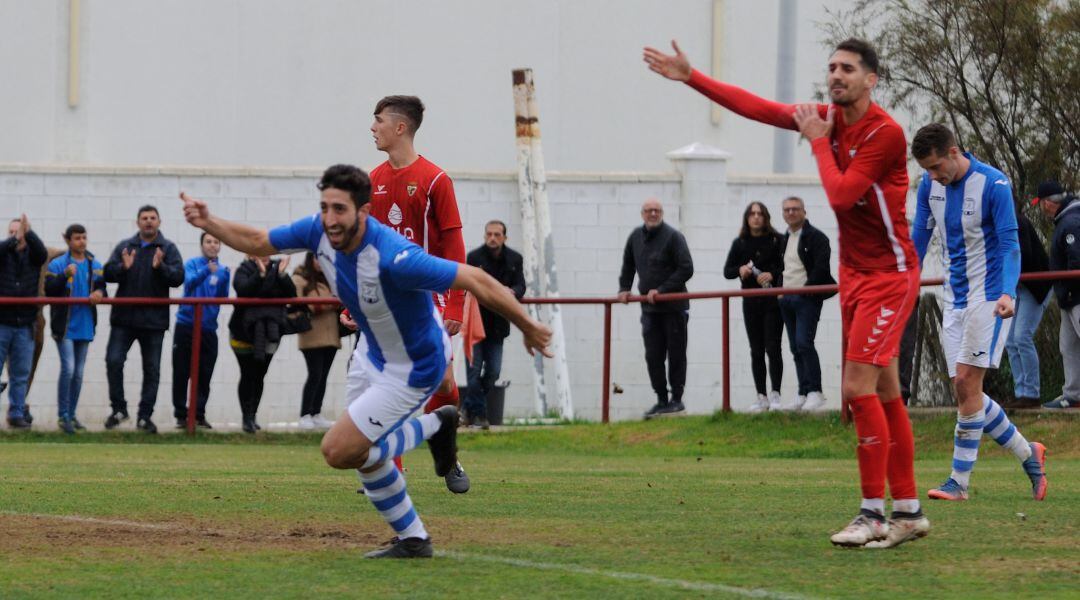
{"x": 386, "y": 284}
{"x": 976, "y": 219}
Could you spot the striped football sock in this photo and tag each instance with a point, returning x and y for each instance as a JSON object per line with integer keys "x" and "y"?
{"x": 385, "y": 486}
{"x": 402, "y": 439}
{"x": 999, "y": 427}
{"x": 966, "y": 446}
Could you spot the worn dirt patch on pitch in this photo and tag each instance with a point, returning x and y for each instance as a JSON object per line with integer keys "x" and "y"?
{"x": 30, "y": 534}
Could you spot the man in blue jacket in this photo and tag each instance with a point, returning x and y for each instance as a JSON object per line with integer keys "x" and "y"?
{"x": 1064, "y": 209}
{"x": 74, "y": 274}
{"x": 21, "y": 258}
{"x": 204, "y": 277}
{"x": 145, "y": 265}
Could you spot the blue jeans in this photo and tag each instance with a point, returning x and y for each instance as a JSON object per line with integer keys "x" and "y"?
{"x": 120, "y": 341}
{"x": 484, "y": 370}
{"x": 72, "y": 360}
{"x": 1023, "y": 359}
{"x": 17, "y": 343}
{"x": 801, "y": 315}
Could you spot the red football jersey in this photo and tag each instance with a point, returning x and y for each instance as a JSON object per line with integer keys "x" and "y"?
{"x": 418, "y": 202}
{"x": 863, "y": 168}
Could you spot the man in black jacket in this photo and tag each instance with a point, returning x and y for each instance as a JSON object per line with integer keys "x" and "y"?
{"x": 21, "y": 258}
{"x": 806, "y": 262}
{"x": 1064, "y": 209}
{"x": 506, "y": 266}
{"x": 660, "y": 257}
{"x": 146, "y": 266}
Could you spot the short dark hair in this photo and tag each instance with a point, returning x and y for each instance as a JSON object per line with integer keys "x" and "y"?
{"x": 147, "y": 208}
{"x": 934, "y": 137}
{"x": 347, "y": 178}
{"x": 867, "y": 55}
{"x": 202, "y": 236}
{"x": 409, "y": 107}
{"x": 72, "y": 230}
{"x": 496, "y": 222}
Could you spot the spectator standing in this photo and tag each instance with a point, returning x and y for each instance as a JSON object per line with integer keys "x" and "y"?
{"x": 806, "y": 262}
{"x": 506, "y": 266}
{"x": 1031, "y": 300}
{"x": 204, "y": 277}
{"x": 1065, "y": 255}
{"x": 144, "y": 265}
{"x": 21, "y": 258}
{"x": 319, "y": 345}
{"x": 658, "y": 254}
{"x": 255, "y": 331}
{"x": 757, "y": 259}
{"x": 74, "y": 274}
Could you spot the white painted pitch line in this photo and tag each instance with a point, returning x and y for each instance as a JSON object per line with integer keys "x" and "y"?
{"x": 701, "y": 586}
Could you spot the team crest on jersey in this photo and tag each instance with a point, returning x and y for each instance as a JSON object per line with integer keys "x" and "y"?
{"x": 369, "y": 292}
{"x": 969, "y": 206}
{"x": 394, "y": 216}
{"x": 410, "y": 188}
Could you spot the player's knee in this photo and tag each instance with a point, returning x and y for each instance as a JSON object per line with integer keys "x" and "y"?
{"x": 334, "y": 454}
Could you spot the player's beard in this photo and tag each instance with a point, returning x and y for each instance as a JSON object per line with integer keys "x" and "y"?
{"x": 348, "y": 236}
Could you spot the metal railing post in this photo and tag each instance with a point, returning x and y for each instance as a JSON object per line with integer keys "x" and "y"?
{"x": 725, "y": 343}
{"x": 605, "y": 406}
{"x": 193, "y": 378}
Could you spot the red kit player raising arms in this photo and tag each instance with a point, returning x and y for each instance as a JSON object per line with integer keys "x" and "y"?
{"x": 861, "y": 157}
{"x": 416, "y": 198}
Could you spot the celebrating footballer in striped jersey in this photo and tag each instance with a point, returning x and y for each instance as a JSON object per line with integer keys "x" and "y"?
{"x": 386, "y": 282}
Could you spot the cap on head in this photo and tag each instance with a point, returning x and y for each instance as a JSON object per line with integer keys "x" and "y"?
{"x": 1049, "y": 190}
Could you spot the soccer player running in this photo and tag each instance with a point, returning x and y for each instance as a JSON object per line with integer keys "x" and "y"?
{"x": 970, "y": 205}
{"x": 386, "y": 283}
{"x": 861, "y": 157}
{"x": 414, "y": 197}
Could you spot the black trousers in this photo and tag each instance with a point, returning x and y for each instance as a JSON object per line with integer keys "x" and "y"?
{"x": 120, "y": 341}
{"x": 181, "y": 367}
{"x": 250, "y": 388}
{"x": 764, "y": 329}
{"x": 665, "y": 338}
{"x": 319, "y": 361}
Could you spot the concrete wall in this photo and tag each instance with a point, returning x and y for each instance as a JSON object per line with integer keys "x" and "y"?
{"x": 592, "y": 215}
{"x": 285, "y": 82}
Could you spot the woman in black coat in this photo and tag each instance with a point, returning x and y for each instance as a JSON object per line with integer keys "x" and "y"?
{"x": 255, "y": 331}
{"x": 757, "y": 259}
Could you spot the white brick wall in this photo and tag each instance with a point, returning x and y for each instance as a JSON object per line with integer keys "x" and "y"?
{"x": 592, "y": 215}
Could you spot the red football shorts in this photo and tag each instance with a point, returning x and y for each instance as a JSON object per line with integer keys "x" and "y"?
{"x": 874, "y": 309}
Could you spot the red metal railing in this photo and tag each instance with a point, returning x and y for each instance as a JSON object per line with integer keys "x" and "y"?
{"x": 725, "y": 297}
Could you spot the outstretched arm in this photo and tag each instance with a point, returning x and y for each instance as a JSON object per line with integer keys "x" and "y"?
{"x": 677, "y": 68}
{"x": 238, "y": 236}
{"x": 498, "y": 298}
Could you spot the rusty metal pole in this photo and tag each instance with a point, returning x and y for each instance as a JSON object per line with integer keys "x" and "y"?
{"x": 606, "y": 396}
{"x": 725, "y": 343}
{"x": 193, "y": 379}
{"x": 530, "y": 245}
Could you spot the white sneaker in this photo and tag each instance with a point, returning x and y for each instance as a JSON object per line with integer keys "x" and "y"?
{"x": 320, "y": 422}
{"x": 814, "y": 402}
{"x": 760, "y": 405}
{"x": 774, "y": 400}
{"x": 903, "y": 529}
{"x": 306, "y": 423}
{"x": 860, "y": 531}
{"x": 795, "y": 404}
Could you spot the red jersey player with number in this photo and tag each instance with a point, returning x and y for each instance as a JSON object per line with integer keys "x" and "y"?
{"x": 416, "y": 198}
{"x": 861, "y": 155}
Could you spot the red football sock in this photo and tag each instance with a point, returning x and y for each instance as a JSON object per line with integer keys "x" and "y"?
{"x": 901, "y": 469}
{"x": 440, "y": 399}
{"x": 873, "y": 450}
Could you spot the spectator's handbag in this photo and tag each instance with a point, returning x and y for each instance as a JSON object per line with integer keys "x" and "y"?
{"x": 297, "y": 319}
